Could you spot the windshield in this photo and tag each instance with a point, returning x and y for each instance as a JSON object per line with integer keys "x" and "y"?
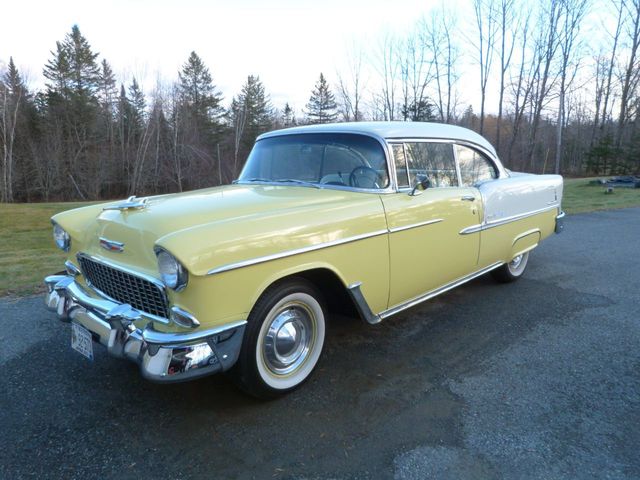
{"x": 348, "y": 160}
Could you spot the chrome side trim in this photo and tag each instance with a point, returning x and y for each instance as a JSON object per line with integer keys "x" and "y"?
{"x": 298, "y": 251}
{"x": 415, "y": 225}
{"x": 361, "y": 304}
{"x": 437, "y": 291}
{"x": 503, "y": 221}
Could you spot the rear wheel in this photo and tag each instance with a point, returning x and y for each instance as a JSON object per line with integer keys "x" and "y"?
{"x": 512, "y": 271}
{"x": 283, "y": 340}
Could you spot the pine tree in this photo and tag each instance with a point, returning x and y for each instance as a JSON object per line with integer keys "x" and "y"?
{"x": 200, "y": 98}
{"x": 250, "y": 115}
{"x": 13, "y": 95}
{"x": 107, "y": 91}
{"x": 322, "y": 106}
{"x": 288, "y": 116}
{"x": 72, "y": 112}
{"x": 138, "y": 104}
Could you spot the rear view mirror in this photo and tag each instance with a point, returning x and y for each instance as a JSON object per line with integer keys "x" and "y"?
{"x": 422, "y": 183}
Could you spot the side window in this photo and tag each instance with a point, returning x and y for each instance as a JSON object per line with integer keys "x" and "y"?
{"x": 401, "y": 165}
{"x": 435, "y": 160}
{"x": 474, "y": 167}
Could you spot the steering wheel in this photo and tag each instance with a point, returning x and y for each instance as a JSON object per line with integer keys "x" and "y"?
{"x": 368, "y": 174}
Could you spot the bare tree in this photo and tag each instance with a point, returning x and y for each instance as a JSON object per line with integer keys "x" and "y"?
{"x": 547, "y": 44}
{"x": 630, "y": 74}
{"x": 416, "y": 74}
{"x": 572, "y": 12}
{"x": 11, "y": 91}
{"x": 350, "y": 88}
{"x": 388, "y": 67}
{"x": 485, "y": 14}
{"x": 437, "y": 36}
{"x": 509, "y": 24}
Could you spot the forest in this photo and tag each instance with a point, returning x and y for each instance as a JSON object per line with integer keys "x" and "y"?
{"x": 557, "y": 81}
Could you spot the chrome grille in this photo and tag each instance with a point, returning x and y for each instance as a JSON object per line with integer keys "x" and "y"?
{"x": 125, "y": 287}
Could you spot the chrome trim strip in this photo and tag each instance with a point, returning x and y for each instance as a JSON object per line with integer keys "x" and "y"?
{"x": 415, "y": 225}
{"x": 361, "y": 304}
{"x": 152, "y": 336}
{"x": 437, "y": 291}
{"x": 503, "y": 221}
{"x": 471, "y": 229}
{"x": 298, "y": 251}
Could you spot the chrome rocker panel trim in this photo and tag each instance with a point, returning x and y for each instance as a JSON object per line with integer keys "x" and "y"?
{"x": 365, "y": 311}
{"x": 164, "y": 357}
{"x": 437, "y": 291}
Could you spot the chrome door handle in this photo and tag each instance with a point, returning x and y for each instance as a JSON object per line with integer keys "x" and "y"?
{"x": 469, "y": 198}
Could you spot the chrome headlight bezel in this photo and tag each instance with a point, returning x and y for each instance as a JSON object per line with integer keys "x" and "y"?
{"x": 172, "y": 272}
{"x": 61, "y": 238}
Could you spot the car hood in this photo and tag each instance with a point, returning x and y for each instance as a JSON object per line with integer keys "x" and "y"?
{"x": 220, "y": 225}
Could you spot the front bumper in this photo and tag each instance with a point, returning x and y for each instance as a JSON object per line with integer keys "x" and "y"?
{"x": 559, "y": 222}
{"x": 162, "y": 357}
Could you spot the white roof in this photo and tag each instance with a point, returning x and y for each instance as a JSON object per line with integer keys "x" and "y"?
{"x": 392, "y": 130}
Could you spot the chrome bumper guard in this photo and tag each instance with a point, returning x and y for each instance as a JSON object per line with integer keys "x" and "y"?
{"x": 162, "y": 356}
{"x": 560, "y": 222}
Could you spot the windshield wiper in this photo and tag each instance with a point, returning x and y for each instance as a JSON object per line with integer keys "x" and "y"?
{"x": 252, "y": 180}
{"x": 279, "y": 180}
{"x": 299, "y": 182}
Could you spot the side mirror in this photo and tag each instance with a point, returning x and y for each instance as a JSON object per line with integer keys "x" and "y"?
{"x": 422, "y": 183}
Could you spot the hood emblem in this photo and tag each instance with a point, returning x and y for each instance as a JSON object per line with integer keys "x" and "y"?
{"x": 111, "y": 245}
{"x": 132, "y": 203}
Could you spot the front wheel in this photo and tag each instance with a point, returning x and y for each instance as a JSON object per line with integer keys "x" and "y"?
{"x": 512, "y": 271}
{"x": 283, "y": 340}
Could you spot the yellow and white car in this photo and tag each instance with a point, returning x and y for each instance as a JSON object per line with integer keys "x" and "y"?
{"x": 374, "y": 216}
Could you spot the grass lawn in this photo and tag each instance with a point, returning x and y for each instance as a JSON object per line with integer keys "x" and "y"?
{"x": 580, "y": 197}
{"x": 27, "y": 252}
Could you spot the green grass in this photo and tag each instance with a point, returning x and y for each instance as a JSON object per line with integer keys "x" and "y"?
{"x": 579, "y": 196}
{"x": 27, "y": 252}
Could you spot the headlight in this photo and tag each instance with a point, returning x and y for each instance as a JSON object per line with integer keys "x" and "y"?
{"x": 62, "y": 238}
{"x": 173, "y": 274}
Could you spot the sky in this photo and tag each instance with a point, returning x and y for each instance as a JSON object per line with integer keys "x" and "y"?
{"x": 286, "y": 42}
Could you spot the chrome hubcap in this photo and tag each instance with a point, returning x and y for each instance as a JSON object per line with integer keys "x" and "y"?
{"x": 515, "y": 263}
{"x": 288, "y": 339}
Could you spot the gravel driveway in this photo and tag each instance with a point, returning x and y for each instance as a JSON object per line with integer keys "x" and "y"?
{"x": 536, "y": 379}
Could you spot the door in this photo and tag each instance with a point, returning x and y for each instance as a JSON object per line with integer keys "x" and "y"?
{"x": 427, "y": 250}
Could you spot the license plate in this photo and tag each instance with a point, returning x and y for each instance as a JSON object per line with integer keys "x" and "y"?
{"x": 81, "y": 340}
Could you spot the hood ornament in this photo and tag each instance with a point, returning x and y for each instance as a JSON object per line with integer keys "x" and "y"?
{"x": 111, "y": 245}
{"x": 131, "y": 203}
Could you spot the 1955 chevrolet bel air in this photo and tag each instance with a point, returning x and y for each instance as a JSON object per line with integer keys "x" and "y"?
{"x": 375, "y": 217}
